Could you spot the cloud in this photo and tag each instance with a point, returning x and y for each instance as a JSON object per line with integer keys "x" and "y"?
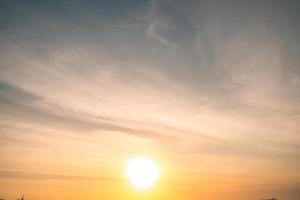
{"x": 154, "y": 30}
{"x": 22, "y": 105}
{"x": 6, "y": 174}
{"x": 159, "y": 26}
{"x": 205, "y": 84}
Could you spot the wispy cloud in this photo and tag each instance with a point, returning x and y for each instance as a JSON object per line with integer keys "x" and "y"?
{"x": 159, "y": 26}
{"x": 5, "y": 174}
{"x": 204, "y": 84}
{"x": 154, "y": 29}
{"x": 22, "y": 105}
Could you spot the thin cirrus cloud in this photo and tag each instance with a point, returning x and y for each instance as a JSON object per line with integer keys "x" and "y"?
{"x": 190, "y": 79}
{"x": 17, "y": 103}
{"x": 97, "y": 72}
{"x": 40, "y": 176}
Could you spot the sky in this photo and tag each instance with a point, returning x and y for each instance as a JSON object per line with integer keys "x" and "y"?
{"x": 208, "y": 89}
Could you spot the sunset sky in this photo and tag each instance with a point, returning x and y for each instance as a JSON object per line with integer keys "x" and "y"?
{"x": 210, "y": 90}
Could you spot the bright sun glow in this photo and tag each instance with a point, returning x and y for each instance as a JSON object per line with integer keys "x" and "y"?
{"x": 142, "y": 172}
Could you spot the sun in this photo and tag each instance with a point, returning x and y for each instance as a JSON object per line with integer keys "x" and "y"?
{"x": 142, "y": 172}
